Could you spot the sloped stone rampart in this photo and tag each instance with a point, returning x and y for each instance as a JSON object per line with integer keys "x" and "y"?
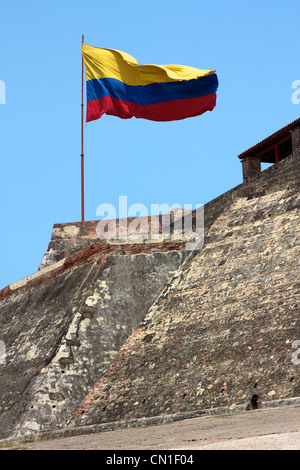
{"x": 62, "y": 330}
{"x": 106, "y": 333}
{"x": 225, "y": 332}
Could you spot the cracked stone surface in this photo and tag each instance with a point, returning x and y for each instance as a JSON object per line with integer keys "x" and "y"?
{"x": 104, "y": 333}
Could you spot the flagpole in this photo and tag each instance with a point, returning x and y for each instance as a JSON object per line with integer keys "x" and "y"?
{"x": 82, "y": 153}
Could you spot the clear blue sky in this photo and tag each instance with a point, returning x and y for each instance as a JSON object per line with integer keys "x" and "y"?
{"x": 254, "y": 47}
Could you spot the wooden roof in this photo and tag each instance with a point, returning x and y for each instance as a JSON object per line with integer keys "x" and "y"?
{"x": 275, "y": 147}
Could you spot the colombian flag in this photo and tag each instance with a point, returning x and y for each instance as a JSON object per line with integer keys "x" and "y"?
{"x": 119, "y": 86}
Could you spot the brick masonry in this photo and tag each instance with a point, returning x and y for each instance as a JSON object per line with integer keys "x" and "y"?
{"x": 62, "y": 329}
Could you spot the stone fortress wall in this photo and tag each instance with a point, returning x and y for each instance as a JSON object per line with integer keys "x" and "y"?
{"x": 108, "y": 332}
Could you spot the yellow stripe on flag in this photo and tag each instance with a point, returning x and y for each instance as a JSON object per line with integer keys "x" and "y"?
{"x": 110, "y": 63}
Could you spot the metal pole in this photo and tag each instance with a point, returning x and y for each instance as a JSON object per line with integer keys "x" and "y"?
{"x": 82, "y": 154}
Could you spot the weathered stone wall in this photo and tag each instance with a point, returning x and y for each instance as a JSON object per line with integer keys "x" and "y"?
{"x": 62, "y": 328}
{"x": 226, "y": 330}
{"x": 109, "y": 331}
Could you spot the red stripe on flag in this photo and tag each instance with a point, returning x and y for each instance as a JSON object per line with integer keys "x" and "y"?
{"x": 165, "y": 111}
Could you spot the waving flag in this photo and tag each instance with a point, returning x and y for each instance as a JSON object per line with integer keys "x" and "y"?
{"x": 117, "y": 85}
